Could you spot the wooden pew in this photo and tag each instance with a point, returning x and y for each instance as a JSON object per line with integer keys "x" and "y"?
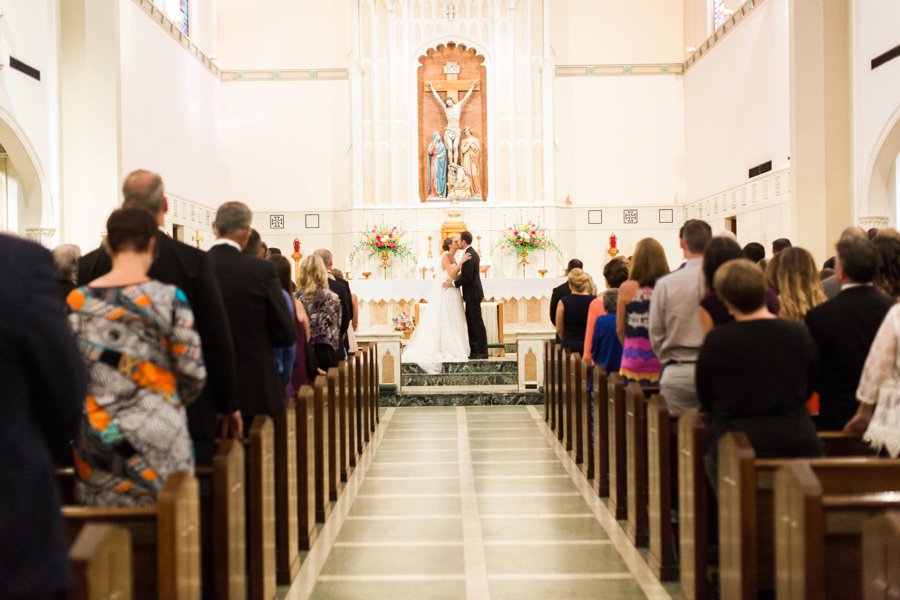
{"x": 286, "y": 502}
{"x": 819, "y": 515}
{"x": 567, "y": 402}
{"x": 260, "y": 485}
{"x": 101, "y": 563}
{"x": 560, "y": 402}
{"x": 616, "y": 442}
{"x": 662, "y": 489}
{"x": 577, "y": 395}
{"x": 352, "y": 412}
{"x": 636, "y": 464}
{"x": 746, "y": 510}
{"x": 696, "y": 506}
{"x": 165, "y": 538}
{"x": 548, "y": 383}
{"x": 344, "y": 420}
{"x": 334, "y": 416}
{"x": 582, "y": 375}
{"x": 306, "y": 467}
{"x": 600, "y": 442}
{"x": 881, "y": 556}
{"x": 361, "y": 429}
{"x": 323, "y": 483}
{"x": 224, "y": 522}
{"x": 376, "y": 389}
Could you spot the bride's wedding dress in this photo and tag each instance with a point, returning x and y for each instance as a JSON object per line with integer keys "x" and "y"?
{"x": 442, "y": 335}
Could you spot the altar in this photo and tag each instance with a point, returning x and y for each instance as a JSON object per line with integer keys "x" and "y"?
{"x": 516, "y": 305}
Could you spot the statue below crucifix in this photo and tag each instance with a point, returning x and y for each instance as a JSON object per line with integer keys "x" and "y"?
{"x": 452, "y": 110}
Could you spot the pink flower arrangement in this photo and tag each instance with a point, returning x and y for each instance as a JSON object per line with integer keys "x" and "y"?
{"x": 523, "y": 238}
{"x": 404, "y": 323}
{"x": 382, "y": 238}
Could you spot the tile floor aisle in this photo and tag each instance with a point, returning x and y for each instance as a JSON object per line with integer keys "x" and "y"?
{"x": 471, "y": 503}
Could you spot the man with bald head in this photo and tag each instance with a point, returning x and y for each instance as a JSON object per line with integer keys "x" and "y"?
{"x": 188, "y": 268}
{"x": 342, "y": 289}
{"x": 831, "y": 284}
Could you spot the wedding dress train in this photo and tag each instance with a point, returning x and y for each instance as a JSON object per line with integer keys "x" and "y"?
{"x": 441, "y": 335}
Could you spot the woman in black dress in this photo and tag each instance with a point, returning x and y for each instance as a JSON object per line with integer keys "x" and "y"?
{"x": 572, "y": 310}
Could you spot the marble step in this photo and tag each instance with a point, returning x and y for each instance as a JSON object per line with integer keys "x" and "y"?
{"x": 462, "y": 395}
{"x": 447, "y": 379}
{"x": 492, "y": 365}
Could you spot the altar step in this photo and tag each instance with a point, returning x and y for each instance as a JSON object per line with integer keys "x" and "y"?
{"x": 458, "y": 379}
{"x": 461, "y": 395}
{"x": 506, "y": 364}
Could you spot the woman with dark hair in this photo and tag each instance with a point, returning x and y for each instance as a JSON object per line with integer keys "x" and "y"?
{"x": 888, "y": 278}
{"x": 145, "y": 365}
{"x": 615, "y": 273}
{"x": 712, "y": 310}
{"x": 291, "y": 357}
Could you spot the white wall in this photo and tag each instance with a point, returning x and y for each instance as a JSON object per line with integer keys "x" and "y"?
{"x": 736, "y": 101}
{"x": 620, "y": 140}
{"x": 29, "y": 108}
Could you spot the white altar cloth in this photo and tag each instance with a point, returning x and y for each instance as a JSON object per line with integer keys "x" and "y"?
{"x": 413, "y": 290}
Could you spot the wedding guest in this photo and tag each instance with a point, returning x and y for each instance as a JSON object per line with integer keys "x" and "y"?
{"x": 606, "y": 350}
{"x": 779, "y": 245}
{"x": 65, "y": 263}
{"x": 342, "y": 289}
{"x": 562, "y": 289}
{"x": 254, "y": 245}
{"x": 190, "y": 270}
{"x": 843, "y": 329}
{"x": 831, "y": 285}
{"x": 264, "y": 250}
{"x": 888, "y": 278}
{"x": 615, "y": 273}
{"x": 878, "y": 415}
{"x": 352, "y": 346}
{"x": 639, "y": 363}
{"x": 273, "y": 251}
{"x": 797, "y": 284}
{"x": 43, "y": 394}
{"x": 572, "y": 311}
{"x": 324, "y": 310}
{"x": 754, "y": 252}
{"x": 285, "y": 355}
{"x": 260, "y": 319}
{"x": 713, "y": 311}
{"x": 871, "y": 233}
{"x": 145, "y": 364}
{"x": 756, "y": 374}
{"x": 675, "y": 330}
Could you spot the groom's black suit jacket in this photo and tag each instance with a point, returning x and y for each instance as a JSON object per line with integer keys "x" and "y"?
{"x": 470, "y": 278}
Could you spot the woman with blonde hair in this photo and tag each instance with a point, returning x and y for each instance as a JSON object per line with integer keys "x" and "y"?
{"x": 795, "y": 278}
{"x": 323, "y": 308}
{"x": 572, "y": 310}
{"x": 639, "y": 363}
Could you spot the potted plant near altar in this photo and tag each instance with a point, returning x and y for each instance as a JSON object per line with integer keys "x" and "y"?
{"x": 404, "y": 324}
{"x": 524, "y": 238}
{"x": 383, "y": 241}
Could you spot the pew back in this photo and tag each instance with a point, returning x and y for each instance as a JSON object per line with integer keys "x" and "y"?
{"x": 101, "y": 563}
{"x": 694, "y": 505}
{"x": 662, "y": 471}
{"x": 600, "y": 444}
{"x": 286, "y": 503}
{"x": 260, "y": 485}
{"x": 881, "y": 556}
{"x": 306, "y": 468}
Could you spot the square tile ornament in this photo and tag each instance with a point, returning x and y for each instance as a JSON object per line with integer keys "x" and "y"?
{"x": 311, "y": 221}
{"x": 630, "y": 216}
{"x": 595, "y": 217}
{"x": 276, "y": 221}
{"x": 666, "y": 215}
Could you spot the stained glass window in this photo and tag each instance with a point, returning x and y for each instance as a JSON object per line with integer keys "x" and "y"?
{"x": 179, "y": 11}
{"x": 718, "y": 13}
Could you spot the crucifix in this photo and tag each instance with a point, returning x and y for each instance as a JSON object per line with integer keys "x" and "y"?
{"x": 197, "y": 238}
{"x": 452, "y": 106}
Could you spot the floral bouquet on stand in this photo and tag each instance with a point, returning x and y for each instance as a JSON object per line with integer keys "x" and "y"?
{"x": 404, "y": 324}
{"x": 385, "y": 242}
{"x": 524, "y": 238}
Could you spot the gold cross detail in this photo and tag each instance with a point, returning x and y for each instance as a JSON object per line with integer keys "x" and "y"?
{"x": 197, "y": 238}
{"x": 452, "y": 85}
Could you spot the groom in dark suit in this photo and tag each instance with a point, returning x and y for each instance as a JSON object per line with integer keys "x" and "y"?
{"x": 470, "y": 282}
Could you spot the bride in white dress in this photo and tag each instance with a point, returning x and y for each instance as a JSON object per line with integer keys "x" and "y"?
{"x": 442, "y": 335}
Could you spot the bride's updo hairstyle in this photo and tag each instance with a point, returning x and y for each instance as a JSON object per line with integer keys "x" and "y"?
{"x": 581, "y": 282}
{"x": 447, "y": 242}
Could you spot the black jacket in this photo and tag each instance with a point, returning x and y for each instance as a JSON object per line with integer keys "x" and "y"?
{"x": 44, "y": 385}
{"x": 190, "y": 269}
{"x": 843, "y": 329}
{"x": 342, "y": 289}
{"x": 260, "y": 322}
{"x": 559, "y": 292}
{"x": 470, "y": 278}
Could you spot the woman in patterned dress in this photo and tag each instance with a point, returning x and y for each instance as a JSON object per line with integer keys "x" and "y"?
{"x": 145, "y": 365}
{"x": 323, "y": 307}
{"x": 639, "y": 363}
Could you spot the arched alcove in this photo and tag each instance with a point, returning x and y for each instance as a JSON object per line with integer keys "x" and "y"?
{"x": 881, "y": 197}
{"x": 24, "y": 189}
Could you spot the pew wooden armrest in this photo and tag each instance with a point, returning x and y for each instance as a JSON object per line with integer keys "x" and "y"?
{"x": 101, "y": 563}
{"x": 881, "y": 556}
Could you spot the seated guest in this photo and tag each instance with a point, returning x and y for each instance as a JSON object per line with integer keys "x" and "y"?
{"x": 639, "y": 363}
{"x": 754, "y": 252}
{"x": 285, "y": 355}
{"x": 888, "y": 278}
{"x": 352, "y": 346}
{"x": 779, "y": 245}
{"x": 255, "y": 246}
{"x": 831, "y": 285}
{"x": 572, "y": 311}
{"x": 145, "y": 365}
{"x": 562, "y": 289}
{"x": 756, "y": 374}
{"x": 65, "y": 263}
{"x": 712, "y": 310}
{"x": 843, "y": 329}
{"x": 259, "y": 316}
{"x": 797, "y": 284}
{"x": 606, "y": 350}
{"x": 878, "y": 415}
{"x": 615, "y": 273}
{"x": 43, "y": 395}
{"x": 323, "y": 307}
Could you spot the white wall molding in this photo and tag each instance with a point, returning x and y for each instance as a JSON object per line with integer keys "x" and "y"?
{"x": 238, "y": 75}
{"x": 764, "y": 190}
{"x": 621, "y": 70}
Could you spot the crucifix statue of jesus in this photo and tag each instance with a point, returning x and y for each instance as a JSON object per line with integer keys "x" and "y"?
{"x": 452, "y": 109}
